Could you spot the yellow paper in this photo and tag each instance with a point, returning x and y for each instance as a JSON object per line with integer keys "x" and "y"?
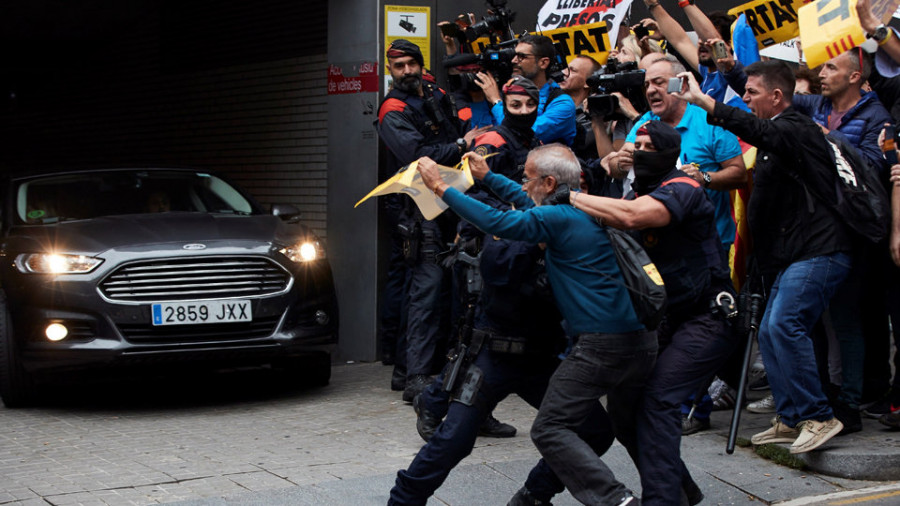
{"x": 408, "y": 180}
{"x": 772, "y": 21}
{"x": 829, "y": 28}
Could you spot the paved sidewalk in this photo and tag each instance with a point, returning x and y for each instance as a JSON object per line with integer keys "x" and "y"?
{"x": 242, "y": 439}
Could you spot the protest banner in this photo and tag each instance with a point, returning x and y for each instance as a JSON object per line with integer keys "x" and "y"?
{"x": 772, "y": 21}
{"x": 567, "y": 13}
{"x": 829, "y": 28}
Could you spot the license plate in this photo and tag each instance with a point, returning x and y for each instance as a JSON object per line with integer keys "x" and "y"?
{"x": 194, "y": 313}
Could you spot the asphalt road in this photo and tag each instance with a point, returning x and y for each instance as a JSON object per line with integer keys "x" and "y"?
{"x": 249, "y": 437}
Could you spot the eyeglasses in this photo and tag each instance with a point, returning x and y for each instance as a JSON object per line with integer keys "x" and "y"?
{"x": 523, "y": 56}
{"x": 526, "y": 180}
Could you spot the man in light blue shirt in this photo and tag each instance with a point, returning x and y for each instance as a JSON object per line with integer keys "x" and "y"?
{"x": 709, "y": 154}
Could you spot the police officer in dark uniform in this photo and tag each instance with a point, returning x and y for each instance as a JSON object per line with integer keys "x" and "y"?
{"x": 506, "y": 147}
{"x": 676, "y": 225}
{"x": 508, "y": 144}
{"x": 417, "y": 119}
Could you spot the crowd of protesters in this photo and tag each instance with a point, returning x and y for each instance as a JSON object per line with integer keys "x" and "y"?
{"x": 722, "y": 168}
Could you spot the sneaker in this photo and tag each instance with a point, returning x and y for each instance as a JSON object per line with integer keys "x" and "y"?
{"x": 414, "y": 386}
{"x": 760, "y": 384}
{"x": 764, "y": 405}
{"x": 778, "y": 433}
{"x": 524, "y": 498}
{"x": 426, "y": 421}
{"x": 892, "y": 420}
{"x": 495, "y": 428}
{"x": 814, "y": 434}
{"x": 883, "y": 407}
{"x": 722, "y": 395}
{"x": 691, "y": 425}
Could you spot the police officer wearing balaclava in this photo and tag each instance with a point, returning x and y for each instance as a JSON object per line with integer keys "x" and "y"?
{"x": 675, "y": 222}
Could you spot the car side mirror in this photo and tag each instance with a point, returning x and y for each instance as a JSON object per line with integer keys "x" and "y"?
{"x": 286, "y": 212}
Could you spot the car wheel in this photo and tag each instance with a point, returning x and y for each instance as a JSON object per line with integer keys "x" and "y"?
{"x": 16, "y": 385}
{"x": 312, "y": 370}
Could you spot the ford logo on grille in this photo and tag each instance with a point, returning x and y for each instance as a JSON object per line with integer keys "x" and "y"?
{"x": 194, "y": 246}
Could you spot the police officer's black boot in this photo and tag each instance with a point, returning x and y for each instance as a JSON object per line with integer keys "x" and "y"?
{"x": 398, "y": 379}
{"x": 495, "y": 428}
{"x": 426, "y": 421}
{"x": 414, "y": 386}
{"x": 524, "y": 498}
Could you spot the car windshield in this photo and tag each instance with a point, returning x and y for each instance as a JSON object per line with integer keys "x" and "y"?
{"x": 94, "y": 194}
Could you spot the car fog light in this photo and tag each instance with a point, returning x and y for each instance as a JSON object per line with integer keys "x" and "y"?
{"x": 322, "y": 317}
{"x": 56, "y": 332}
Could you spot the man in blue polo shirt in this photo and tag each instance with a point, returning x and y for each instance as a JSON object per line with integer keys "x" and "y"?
{"x": 709, "y": 154}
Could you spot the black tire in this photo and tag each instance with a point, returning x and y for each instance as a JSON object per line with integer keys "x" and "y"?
{"x": 17, "y": 387}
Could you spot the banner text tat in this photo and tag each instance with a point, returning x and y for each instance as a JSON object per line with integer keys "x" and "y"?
{"x": 772, "y": 21}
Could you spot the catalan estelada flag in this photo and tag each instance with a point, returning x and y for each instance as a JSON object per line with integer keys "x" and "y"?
{"x": 740, "y": 249}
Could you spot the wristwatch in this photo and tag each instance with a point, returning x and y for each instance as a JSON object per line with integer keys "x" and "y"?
{"x": 461, "y": 145}
{"x": 880, "y": 33}
{"x": 706, "y": 179}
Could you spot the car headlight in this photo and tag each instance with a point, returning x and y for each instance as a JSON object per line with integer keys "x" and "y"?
{"x": 306, "y": 251}
{"x": 53, "y": 263}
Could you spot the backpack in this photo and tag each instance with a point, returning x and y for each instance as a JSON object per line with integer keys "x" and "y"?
{"x": 860, "y": 200}
{"x": 642, "y": 279}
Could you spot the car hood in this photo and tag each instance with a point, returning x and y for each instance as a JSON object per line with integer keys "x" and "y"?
{"x": 97, "y": 235}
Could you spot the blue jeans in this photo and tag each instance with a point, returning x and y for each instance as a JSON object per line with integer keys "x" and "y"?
{"x": 525, "y": 375}
{"x": 798, "y": 298}
{"x": 615, "y": 365}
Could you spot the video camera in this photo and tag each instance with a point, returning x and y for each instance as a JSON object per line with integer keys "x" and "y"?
{"x": 496, "y": 57}
{"x": 624, "y": 78}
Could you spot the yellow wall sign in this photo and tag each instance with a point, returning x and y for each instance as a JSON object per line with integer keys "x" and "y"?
{"x": 829, "y": 28}
{"x": 772, "y": 21}
{"x": 411, "y": 23}
{"x": 585, "y": 40}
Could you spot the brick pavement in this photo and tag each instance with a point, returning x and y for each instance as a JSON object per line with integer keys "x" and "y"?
{"x": 138, "y": 442}
{"x": 247, "y": 437}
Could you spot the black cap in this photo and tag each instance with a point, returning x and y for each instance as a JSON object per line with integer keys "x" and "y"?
{"x": 519, "y": 85}
{"x": 403, "y": 47}
{"x": 664, "y": 136}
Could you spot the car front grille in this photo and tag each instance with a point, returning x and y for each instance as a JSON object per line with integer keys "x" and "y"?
{"x": 195, "y": 278}
{"x": 198, "y": 334}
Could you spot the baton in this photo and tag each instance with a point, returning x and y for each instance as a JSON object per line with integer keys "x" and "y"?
{"x": 755, "y": 305}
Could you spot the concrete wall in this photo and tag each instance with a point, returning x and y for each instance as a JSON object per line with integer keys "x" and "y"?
{"x": 353, "y": 37}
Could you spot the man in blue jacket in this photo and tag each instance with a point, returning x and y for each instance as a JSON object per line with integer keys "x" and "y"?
{"x": 556, "y": 110}
{"x": 613, "y": 353}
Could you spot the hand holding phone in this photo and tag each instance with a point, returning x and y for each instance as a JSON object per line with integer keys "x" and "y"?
{"x": 720, "y": 51}
{"x": 640, "y": 31}
{"x": 676, "y": 84}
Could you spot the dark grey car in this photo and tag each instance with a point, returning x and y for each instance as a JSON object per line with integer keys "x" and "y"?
{"x": 157, "y": 267}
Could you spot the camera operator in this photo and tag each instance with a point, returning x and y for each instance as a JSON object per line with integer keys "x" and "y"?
{"x": 676, "y": 224}
{"x": 417, "y": 119}
{"x": 613, "y": 353}
{"x": 556, "y": 110}
{"x": 575, "y": 85}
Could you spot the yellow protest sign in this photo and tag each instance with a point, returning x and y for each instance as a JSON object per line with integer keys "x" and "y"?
{"x": 408, "y": 180}
{"x": 585, "y": 40}
{"x": 829, "y": 28}
{"x": 772, "y": 21}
